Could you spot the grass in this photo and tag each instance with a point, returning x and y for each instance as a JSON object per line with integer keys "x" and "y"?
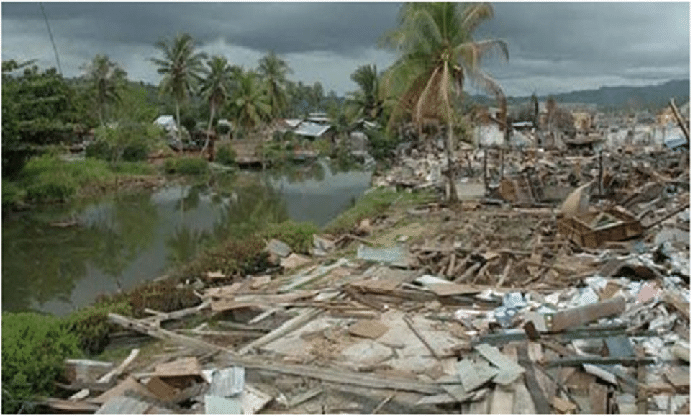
{"x": 298, "y": 235}
{"x": 186, "y": 165}
{"x": 48, "y": 178}
{"x": 372, "y": 204}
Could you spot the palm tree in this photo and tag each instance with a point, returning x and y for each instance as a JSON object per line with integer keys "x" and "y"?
{"x": 181, "y": 67}
{"x": 437, "y": 54}
{"x": 250, "y": 104}
{"x": 106, "y": 79}
{"x": 274, "y": 71}
{"x": 216, "y": 87}
{"x": 367, "y": 100}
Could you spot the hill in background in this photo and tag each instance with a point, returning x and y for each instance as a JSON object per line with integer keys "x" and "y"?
{"x": 652, "y": 97}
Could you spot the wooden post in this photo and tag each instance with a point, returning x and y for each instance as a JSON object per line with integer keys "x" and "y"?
{"x": 601, "y": 173}
{"x": 679, "y": 120}
{"x": 502, "y": 162}
{"x": 485, "y": 173}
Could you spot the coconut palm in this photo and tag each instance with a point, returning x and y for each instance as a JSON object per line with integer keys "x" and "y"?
{"x": 181, "y": 68}
{"x": 216, "y": 87}
{"x": 367, "y": 99}
{"x": 250, "y": 104}
{"x": 106, "y": 79}
{"x": 437, "y": 54}
{"x": 273, "y": 71}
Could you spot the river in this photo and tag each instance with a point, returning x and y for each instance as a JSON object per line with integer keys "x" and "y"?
{"x": 125, "y": 239}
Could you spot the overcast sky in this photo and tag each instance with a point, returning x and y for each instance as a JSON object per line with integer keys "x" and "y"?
{"x": 554, "y": 47}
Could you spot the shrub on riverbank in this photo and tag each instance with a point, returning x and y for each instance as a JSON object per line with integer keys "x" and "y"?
{"x": 49, "y": 178}
{"x": 298, "y": 235}
{"x": 234, "y": 257}
{"x": 226, "y": 155}
{"x": 91, "y": 326}
{"x": 12, "y": 194}
{"x": 186, "y": 165}
{"x": 34, "y": 348}
{"x": 371, "y": 204}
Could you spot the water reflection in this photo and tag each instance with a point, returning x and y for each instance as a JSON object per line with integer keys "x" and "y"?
{"x": 127, "y": 239}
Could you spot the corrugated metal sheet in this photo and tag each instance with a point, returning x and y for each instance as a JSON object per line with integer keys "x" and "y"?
{"x": 227, "y": 382}
{"x": 311, "y": 129}
{"x": 220, "y": 405}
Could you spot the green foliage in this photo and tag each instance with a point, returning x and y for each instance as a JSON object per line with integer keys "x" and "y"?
{"x": 234, "y": 257}
{"x": 372, "y": 204}
{"x": 249, "y": 103}
{"x": 133, "y": 168}
{"x": 186, "y": 165}
{"x": 226, "y": 155}
{"x": 33, "y": 350}
{"x": 299, "y": 236}
{"x": 49, "y": 178}
{"x": 127, "y": 141}
{"x": 12, "y": 194}
{"x": 91, "y": 325}
{"x": 106, "y": 80}
{"x": 382, "y": 144}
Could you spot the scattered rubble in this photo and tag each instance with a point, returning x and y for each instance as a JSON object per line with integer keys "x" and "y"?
{"x": 561, "y": 288}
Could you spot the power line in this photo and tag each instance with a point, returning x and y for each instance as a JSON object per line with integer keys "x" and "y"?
{"x": 50, "y": 34}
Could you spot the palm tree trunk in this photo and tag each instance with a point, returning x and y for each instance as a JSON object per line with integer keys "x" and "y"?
{"x": 209, "y": 128}
{"x": 178, "y": 131}
{"x": 450, "y": 172}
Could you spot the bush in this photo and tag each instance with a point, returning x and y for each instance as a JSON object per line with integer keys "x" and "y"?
{"x": 34, "y": 348}
{"x": 12, "y": 194}
{"x": 382, "y": 145}
{"x": 58, "y": 187}
{"x": 49, "y": 178}
{"x": 186, "y": 165}
{"x": 133, "y": 168}
{"x": 91, "y": 326}
{"x": 299, "y": 236}
{"x": 234, "y": 257}
{"x": 99, "y": 150}
{"x": 226, "y": 155}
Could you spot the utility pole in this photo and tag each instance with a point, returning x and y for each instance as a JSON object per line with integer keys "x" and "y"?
{"x": 50, "y": 35}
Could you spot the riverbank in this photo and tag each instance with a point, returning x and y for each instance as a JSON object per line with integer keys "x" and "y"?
{"x": 382, "y": 312}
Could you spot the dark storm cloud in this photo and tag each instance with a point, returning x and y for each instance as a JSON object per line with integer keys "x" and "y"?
{"x": 631, "y": 41}
{"x": 283, "y": 27}
{"x": 554, "y": 47}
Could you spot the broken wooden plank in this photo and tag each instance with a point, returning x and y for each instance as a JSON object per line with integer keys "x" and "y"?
{"x": 474, "y": 374}
{"x": 522, "y": 401}
{"x": 509, "y": 370}
{"x": 502, "y": 400}
{"x": 541, "y": 404}
{"x": 563, "y": 406}
{"x": 580, "y": 360}
{"x": 302, "y": 318}
{"x": 109, "y": 376}
{"x": 338, "y": 376}
{"x": 582, "y": 315}
{"x": 598, "y": 398}
{"x": 420, "y": 336}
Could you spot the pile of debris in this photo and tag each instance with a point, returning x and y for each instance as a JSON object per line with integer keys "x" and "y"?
{"x": 534, "y": 310}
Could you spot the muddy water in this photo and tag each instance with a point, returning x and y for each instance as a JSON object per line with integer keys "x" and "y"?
{"x": 122, "y": 240}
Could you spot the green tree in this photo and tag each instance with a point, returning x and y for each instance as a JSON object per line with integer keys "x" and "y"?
{"x": 135, "y": 105}
{"x": 37, "y": 109}
{"x": 367, "y": 100}
{"x": 181, "y": 68}
{"x": 106, "y": 81}
{"x": 216, "y": 87}
{"x": 249, "y": 102}
{"x": 317, "y": 94}
{"x": 273, "y": 71}
{"x": 437, "y": 54}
